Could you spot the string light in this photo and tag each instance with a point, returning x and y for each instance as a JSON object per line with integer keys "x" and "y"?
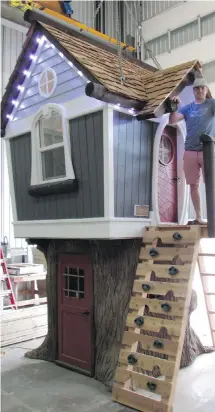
{"x": 9, "y": 116}
{"x": 15, "y": 103}
{"x": 80, "y": 73}
{"x": 20, "y": 88}
{"x": 26, "y": 73}
{"x": 33, "y": 57}
{"x": 61, "y": 54}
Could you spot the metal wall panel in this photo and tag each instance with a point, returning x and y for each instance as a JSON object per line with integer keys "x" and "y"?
{"x": 12, "y": 41}
{"x": 133, "y": 142}
{"x": 208, "y": 24}
{"x": 209, "y": 71}
{"x": 86, "y": 135}
{"x": 152, "y": 8}
{"x": 184, "y": 34}
{"x": 84, "y": 12}
{"x": 158, "y": 46}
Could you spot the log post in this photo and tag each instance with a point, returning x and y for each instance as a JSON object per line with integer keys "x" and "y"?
{"x": 209, "y": 167}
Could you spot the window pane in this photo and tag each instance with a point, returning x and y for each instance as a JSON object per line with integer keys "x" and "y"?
{"x": 53, "y": 163}
{"x": 51, "y": 130}
{"x": 81, "y": 284}
{"x": 73, "y": 283}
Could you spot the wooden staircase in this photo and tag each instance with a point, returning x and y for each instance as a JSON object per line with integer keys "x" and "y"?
{"x": 153, "y": 339}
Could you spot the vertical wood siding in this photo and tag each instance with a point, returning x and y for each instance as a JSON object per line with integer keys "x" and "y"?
{"x": 87, "y": 155}
{"x": 12, "y": 41}
{"x": 133, "y": 142}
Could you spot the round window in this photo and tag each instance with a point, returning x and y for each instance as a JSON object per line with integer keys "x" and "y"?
{"x": 165, "y": 150}
{"x": 47, "y": 82}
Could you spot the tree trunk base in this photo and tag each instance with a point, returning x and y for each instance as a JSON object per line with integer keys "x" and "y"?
{"x": 192, "y": 348}
{"x": 43, "y": 352}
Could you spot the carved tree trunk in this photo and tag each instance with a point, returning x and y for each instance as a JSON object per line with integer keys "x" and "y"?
{"x": 48, "y": 350}
{"x": 114, "y": 268}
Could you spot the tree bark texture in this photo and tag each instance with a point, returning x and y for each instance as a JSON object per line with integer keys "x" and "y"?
{"x": 114, "y": 268}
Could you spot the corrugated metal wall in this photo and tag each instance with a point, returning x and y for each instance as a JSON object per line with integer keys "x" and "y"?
{"x": 151, "y": 8}
{"x": 12, "y": 41}
{"x": 183, "y": 35}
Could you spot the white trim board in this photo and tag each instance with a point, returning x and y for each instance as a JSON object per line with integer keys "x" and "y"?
{"x": 181, "y": 187}
{"x": 81, "y": 106}
{"x": 108, "y": 166}
{"x": 100, "y": 228}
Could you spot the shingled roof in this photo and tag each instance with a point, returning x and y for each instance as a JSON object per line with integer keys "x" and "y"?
{"x": 144, "y": 85}
{"x": 104, "y": 65}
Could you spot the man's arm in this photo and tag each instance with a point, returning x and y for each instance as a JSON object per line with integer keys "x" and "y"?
{"x": 175, "y": 117}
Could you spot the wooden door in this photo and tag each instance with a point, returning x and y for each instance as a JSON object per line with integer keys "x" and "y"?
{"x": 167, "y": 176}
{"x": 75, "y": 312}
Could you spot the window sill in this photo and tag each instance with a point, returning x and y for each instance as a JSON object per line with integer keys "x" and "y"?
{"x": 55, "y": 188}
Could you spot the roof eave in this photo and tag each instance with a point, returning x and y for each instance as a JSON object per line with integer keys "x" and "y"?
{"x": 99, "y": 92}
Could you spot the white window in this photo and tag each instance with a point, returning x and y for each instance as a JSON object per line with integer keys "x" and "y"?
{"x": 47, "y": 82}
{"x": 51, "y": 150}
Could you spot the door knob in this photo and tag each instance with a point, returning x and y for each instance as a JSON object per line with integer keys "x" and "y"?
{"x": 176, "y": 178}
{"x": 85, "y": 313}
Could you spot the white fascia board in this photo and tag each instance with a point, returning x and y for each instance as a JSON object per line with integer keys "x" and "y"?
{"x": 99, "y": 228}
{"x": 74, "y": 108}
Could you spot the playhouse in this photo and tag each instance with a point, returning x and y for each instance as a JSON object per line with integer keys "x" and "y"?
{"x": 92, "y": 161}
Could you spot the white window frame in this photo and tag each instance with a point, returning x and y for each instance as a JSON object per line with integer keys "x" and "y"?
{"x": 36, "y": 158}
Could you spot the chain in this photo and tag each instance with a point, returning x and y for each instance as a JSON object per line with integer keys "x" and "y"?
{"x": 97, "y": 10}
{"x": 118, "y": 30}
{"x": 157, "y": 64}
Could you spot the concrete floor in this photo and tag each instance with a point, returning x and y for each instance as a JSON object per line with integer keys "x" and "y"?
{"x": 36, "y": 386}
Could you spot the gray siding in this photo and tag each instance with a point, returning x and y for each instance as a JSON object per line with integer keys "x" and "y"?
{"x": 132, "y": 163}
{"x": 69, "y": 84}
{"x": 87, "y": 155}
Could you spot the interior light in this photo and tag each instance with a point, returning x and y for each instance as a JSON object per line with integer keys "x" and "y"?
{"x": 118, "y": 104}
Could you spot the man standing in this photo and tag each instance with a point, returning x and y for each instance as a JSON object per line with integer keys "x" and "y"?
{"x": 200, "y": 119}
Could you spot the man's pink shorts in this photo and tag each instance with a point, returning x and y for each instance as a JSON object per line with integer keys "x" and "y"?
{"x": 193, "y": 162}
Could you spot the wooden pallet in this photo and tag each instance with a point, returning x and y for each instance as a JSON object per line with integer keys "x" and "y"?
{"x": 153, "y": 342}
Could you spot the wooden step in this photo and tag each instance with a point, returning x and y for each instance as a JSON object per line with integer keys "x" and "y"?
{"x": 137, "y": 401}
{"x": 155, "y": 324}
{"x": 161, "y": 288}
{"x": 142, "y": 381}
{"x": 147, "y": 362}
{"x": 155, "y": 305}
{"x": 147, "y": 342}
{"x": 167, "y": 253}
{"x": 188, "y": 236}
{"x": 162, "y": 270}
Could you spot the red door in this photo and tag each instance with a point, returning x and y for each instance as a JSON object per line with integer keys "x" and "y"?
{"x": 167, "y": 176}
{"x": 75, "y": 312}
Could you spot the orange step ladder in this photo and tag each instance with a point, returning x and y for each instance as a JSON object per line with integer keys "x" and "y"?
{"x": 6, "y": 285}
